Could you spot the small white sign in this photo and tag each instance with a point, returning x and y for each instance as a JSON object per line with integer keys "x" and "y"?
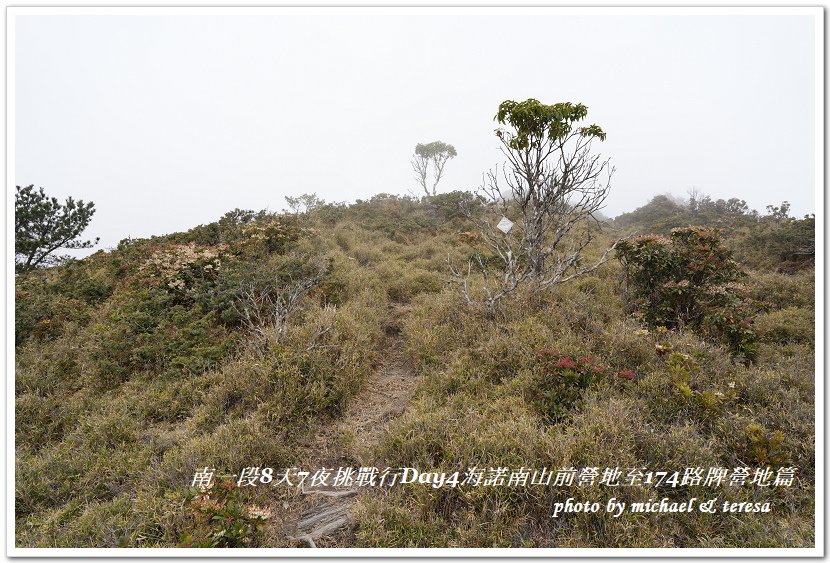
{"x": 505, "y": 225}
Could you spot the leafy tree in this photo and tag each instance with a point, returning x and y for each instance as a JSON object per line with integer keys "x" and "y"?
{"x": 435, "y": 154}
{"x": 554, "y": 178}
{"x": 552, "y": 188}
{"x": 44, "y": 225}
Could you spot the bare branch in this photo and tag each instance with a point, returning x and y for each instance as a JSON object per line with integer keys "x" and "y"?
{"x": 265, "y": 310}
{"x": 551, "y": 188}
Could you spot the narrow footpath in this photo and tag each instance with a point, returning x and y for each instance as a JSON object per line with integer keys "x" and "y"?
{"x": 323, "y": 516}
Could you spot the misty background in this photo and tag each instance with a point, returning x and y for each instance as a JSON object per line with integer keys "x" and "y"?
{"x": 167, "y": 122}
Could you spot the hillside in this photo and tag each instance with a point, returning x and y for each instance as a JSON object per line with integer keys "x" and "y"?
{"x": 336, "y": 337}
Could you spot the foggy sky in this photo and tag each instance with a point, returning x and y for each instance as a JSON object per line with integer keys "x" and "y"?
{"x": 166, "y": 122}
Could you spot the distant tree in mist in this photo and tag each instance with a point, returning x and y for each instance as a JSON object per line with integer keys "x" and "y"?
{"x": 431, "y": 156}
{"x": 304, "y": 203}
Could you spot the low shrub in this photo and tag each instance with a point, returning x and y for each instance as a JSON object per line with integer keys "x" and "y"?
{"x": 220, "y": 518}
{"x": 787, "y": 326}
{"x": 689, "y": 280}
{"x": 564, "y": 378}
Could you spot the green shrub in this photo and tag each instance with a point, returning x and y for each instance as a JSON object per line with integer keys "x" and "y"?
{"x": 221, "y": 519}
{"x": 765, "y": 448}
{"x": 784, "y": 244}
{"x": 689, "y": 280}
{"x": 450, "y": 205}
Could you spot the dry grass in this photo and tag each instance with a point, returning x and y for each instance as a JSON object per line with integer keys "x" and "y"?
{"x": 106, "y": 462}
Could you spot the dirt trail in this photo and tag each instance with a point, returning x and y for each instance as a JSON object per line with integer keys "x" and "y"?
{"x": 322, "y": 516}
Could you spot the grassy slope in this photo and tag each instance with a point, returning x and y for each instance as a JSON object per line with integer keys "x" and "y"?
{"x": 124, "y": 388}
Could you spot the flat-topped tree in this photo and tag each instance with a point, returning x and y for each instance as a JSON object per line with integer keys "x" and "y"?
{"x": 432, "y": 155}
